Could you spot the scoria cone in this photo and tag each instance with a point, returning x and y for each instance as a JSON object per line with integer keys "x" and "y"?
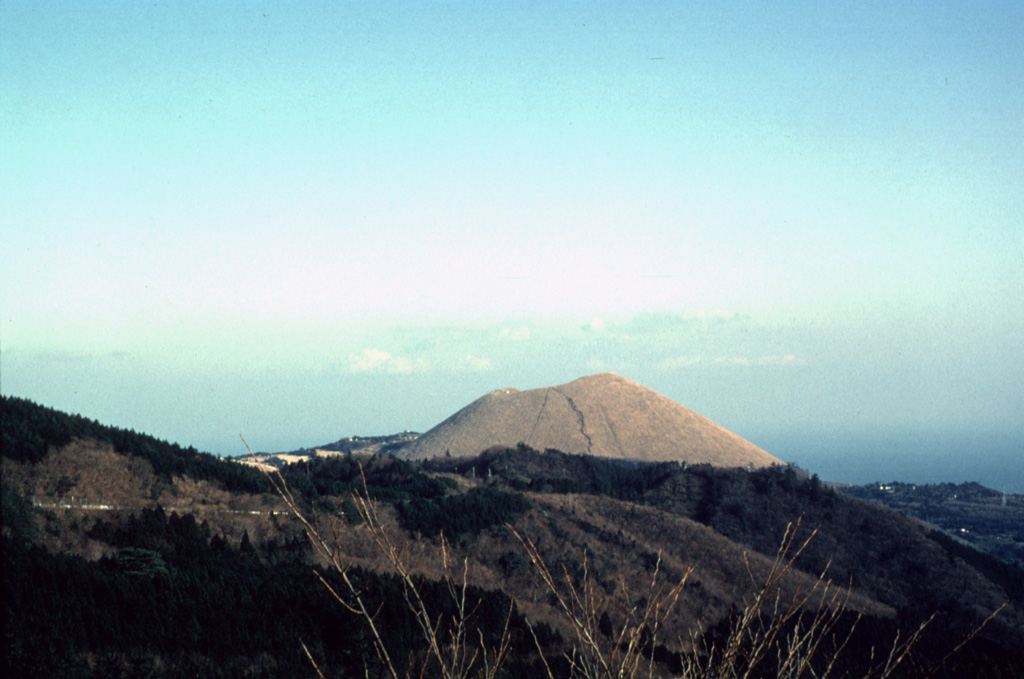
{"x": 604, "y": 415}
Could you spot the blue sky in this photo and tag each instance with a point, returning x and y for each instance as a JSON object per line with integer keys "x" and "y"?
{"x": 300, "y": 221}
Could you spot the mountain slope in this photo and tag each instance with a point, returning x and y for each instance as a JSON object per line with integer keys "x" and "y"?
{"x": 603, "y": 415}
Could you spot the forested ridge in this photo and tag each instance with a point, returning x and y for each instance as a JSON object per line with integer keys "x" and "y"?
{"x": 30, "y": 430}
{"x": 752, "y": 507}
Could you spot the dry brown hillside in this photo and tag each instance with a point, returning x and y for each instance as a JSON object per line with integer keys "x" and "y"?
{"x": 603, "y": 415}
{"x": 622, "y": 544}
{"x": 87, "y": 480}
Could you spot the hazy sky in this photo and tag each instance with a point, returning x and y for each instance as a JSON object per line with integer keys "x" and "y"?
{"x": 300, "y": 221}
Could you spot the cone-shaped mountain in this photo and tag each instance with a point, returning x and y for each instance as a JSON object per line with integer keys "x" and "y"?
{"x": 604, "y": 415}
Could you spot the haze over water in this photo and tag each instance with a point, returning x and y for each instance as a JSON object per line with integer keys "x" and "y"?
{"x": 301, "y": 221}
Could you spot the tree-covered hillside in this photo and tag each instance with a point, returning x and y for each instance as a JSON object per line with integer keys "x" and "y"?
{"x": 173, "y": 597}
{"x": 31, "y": 430}
{"x": 172, "y": 601}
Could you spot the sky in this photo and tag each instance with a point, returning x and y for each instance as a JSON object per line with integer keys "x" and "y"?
{"x": 302, "y": 221}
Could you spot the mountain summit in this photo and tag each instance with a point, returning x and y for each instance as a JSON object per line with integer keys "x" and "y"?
{"x": 604, "y": 415}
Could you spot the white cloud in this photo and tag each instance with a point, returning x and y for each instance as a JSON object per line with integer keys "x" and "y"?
{"x": 471, "y": 363}
{"x": 382, "y": 362}
{"x": 680, "y": 362}
{"x": 788, "y": 359}
{"x": 717, "y": 314}
{"x": 517, "y": 334}
{"x": 667, "y": 321}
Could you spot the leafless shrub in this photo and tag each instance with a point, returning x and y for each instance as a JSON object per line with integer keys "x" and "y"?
{"x": 787, "y": 630}
{"x": 596, "y": 654}
{"x": 460, "y": 653}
